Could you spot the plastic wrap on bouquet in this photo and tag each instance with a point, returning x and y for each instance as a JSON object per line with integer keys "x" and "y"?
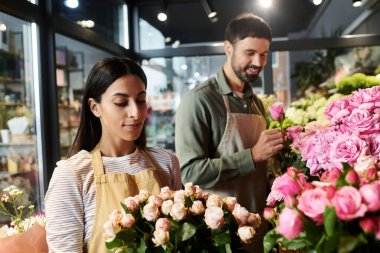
{"x": 31, "y": 241}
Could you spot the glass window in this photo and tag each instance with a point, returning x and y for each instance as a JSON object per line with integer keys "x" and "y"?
{"x": 168, "y": 80}
{"x": 108, "y": 18}
{"x": 19, "y": 152}
{"x": 74, "y": 61}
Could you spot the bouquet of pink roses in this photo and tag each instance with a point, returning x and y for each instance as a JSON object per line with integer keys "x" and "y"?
{"x": 180, "y": 221}
{"x": 334, "y": 206}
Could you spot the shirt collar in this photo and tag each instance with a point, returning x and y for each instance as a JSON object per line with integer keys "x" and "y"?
{"x": 225, "y": 89}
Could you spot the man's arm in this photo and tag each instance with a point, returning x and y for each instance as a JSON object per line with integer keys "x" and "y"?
{"x": 193, "y": 131}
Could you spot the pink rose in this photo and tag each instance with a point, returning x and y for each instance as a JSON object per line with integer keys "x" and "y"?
{"x": 294, "y": 132}
{"x": 246, "y": 233}
{"x": 189, "y": 189}
{"x": 336, "y": 106}
{"x": 269, "y": 213}
{"x": 157, "y": 200}
{"x": 150, "y": 212}
{"x": 230, "y": 203}
{"x": 254, "y": 220}
{"x": 116, "y": 217}
{"x": 240, "y": 214}
{"x": 178, "y": 211}
{"x": 290, "y": 224}
{"x": 197, "y": 207}
{"x": 371, "y": 196}
{"x": 132, "y": 203}
{"x": 348, "y": 203}
{"x": 277, "y": 111}
{"x": 313, "y": 204}
{"x": 127, "y": 221}
{"x": 289, "y": 186}
{"x": 198, "y": 192}
{"x": 374, "y": 142}
{"x": 143, "y": 196}
{"x": 290, "y": 201}
{"x": 214, "y": 217}
{"x": 347, "y": 148}
{"x": 214, "y": 200}
{"x": 179, "y": 196}
{"x": 166, "y": 193}
{"x": 167, "y": 206}
{"x": 352, "y": 177}
{"x": 163, "y": 224}
{"x": 160, "y": 237}
{"x": 361, "y": 121}
{"x": 368, "y": 224}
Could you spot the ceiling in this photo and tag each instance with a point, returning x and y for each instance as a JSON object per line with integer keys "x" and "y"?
{"x": 187, "y": 20}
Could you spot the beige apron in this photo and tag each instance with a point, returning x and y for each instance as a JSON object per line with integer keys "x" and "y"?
{"x": 111, "y": 189}
{"x": 242, "y": 132}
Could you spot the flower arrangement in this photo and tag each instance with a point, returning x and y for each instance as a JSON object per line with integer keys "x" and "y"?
{"x": 14, "y": 205}
{"x": 333, "y": 205}
{"x": 186, "y": 220}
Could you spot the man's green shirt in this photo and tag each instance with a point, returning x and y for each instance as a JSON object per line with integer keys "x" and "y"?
{"x": 199, "y": 126}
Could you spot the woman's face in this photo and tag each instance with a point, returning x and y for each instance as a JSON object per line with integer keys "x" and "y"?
{"x": 122, "y": 109}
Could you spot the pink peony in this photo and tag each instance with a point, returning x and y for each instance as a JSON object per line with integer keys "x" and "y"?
{"x": 348, "y": 203}
{"x": 290, "y": 223}
{"x": 214, "y": 217}
{"x": 333, "y": 108}
{"x": 371, "y": 196}
{"x": 277, "y": 111}
{"x": 347, "y": 148}
{"x": 313, "y": 203}
{"x": 361, "y": 121}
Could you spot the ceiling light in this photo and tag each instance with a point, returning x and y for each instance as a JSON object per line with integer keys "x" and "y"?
{"x": 162, "y": 16}
{"x": 86, "y": 23}
{"x": 317, "y": 2}
{"x": 210, "y": 11}
{"x": 266, "y": 3}
{"x": 72, "y": 3}
{"x": 356, "y": 3}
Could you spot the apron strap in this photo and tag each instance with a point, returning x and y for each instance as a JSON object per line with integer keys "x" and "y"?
{"x": 97, "y": 163}
{"x": 226, "y": 103}
{"x": 156, "y": 168}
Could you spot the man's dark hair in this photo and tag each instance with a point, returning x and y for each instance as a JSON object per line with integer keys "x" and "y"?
{"x": 247, "y": 25}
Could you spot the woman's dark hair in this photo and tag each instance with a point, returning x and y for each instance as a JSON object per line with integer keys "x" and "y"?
{"x": 247, "y": 25}
{"x": 102, "y": 75}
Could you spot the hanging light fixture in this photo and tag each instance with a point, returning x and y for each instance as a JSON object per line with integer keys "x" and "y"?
{"x": 357, "y": 3}
{"x": 210, "y": 11}
{"x": 162, "y": 16}
{"x": 317, "y": 2}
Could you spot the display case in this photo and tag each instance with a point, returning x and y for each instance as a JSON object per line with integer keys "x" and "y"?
{"x": 70, "y": 82}
{"x": 18, "y": 144}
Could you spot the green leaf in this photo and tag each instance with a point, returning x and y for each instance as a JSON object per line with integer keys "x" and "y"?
{"x": 221, "y": 238}
{"x": 270, "y": 239}
{"x": 347, "y": 244}
{"x": 295, "y": 244}
{"x": 115, "y": 243}
{"x": 128, "y": 236}
{"x": 142, "y": 247}
{"x": 330, "y": 220}
{"x": 228, "y": 248}
{"x": 187, "y": 231}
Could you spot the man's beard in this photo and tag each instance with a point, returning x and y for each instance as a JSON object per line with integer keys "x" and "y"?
{"x": 242, "y": 74}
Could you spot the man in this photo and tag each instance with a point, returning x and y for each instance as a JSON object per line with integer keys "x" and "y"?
{"x": 220, "y": 135}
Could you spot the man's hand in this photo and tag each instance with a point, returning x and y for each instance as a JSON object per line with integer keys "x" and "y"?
{"x": 269, "y": 143}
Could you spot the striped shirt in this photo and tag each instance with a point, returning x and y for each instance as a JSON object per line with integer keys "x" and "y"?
{"x": 70, "y": 199}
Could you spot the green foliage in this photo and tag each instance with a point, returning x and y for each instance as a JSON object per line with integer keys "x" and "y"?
{"x": 357, "y": 81}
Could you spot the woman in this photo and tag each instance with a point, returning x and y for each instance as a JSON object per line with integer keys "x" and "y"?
{"x": 109, "y": 159}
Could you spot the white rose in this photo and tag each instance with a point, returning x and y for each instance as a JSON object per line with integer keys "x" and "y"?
{"x": 127, "y": 221}
{"x": 214, "y": 201}
{"x": 166, "y": 193}
{"x": 160, "y": 237}
{"x": 214, "y": 217}
{"x": 167, "y": 206}
{"x": 197, "y": 207}
{"x": 178, "y": 211}
{"x": 151, "y": 212}
{"x": 240, "y": 214}
{"x": 246, "y": 233}
{"x": 155, "y": 200}
{"x": 132, "y": 203}
{"x": 230, "y": 203}
{"x": 179, "y": 196}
